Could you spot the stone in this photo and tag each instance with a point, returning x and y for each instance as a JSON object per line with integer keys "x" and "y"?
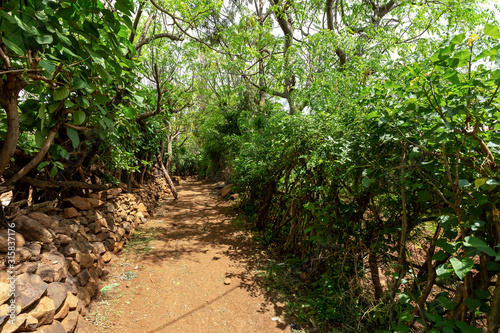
{"x": 4, "y": 292}
{"x": 84, "y": 260}
{"x": 234, "y": 196}
{"x": 101, "y": 237}
{"x": 63, "y": 311}
{"x": 57, "y": 292}
{"x": 64, "y": 239}
{"x": 70, "y": 250}
{"x": 31, "y": 323}
{"x": 110, "y": 207}
{"x": 18, "y": 323}
{"x": 227, "y": 281}
{"x": 74, "y": 269}
{"x": 32, "y": 229}
{"x": 26, "y": 267}
{"x": 44, "y": 219}
{"x": 92, "y": 288}
{"x": 69, "y": 323}
{"x": 127, "y": 226}
{"x": 56, "y": 327}
{"x": 84, "y": 295}
{"x": 121, "y": 232}
{"x": 36, "y": 249}
{"x": 83, "y": 277}
{"x": 118, "y": 247}
{"x": 79, "y": 203}
{"x": 22, "y": 254}
{"x": 93, "y": 202}
{"x": 70, "y": 213}
{"x": 46, "y": 272}
{"x": 141, "y": 208}
{"x": 44, "y": 311}
{"x": 58, "y": 262}
{"x": 72, "y": 301}
{"x": 30, "y": 288}
{"x": 99, "y": 248}
{"x": 226, "y": 190}
{"x": 94, "y": 274}
{"x": 110, "y": 244}
{"x": 72, "y": 284}
{"x": 4, "y": 240}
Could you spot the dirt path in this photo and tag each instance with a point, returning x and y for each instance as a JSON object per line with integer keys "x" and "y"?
{"x": 195, "y": 273}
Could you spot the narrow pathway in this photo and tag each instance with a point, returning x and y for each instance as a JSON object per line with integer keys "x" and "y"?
{"x": 195, "y": 273}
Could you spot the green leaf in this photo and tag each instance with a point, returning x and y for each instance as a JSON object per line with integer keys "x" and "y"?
{"x": 13, "y": 47}
{"x": 78, "y": 117}
{"x": 44, "y": 39}
{"x": 49, "y": 67}
{"x": 462, "y": 55}
{"x": 490, "y": 181}
{"x": 53, "y": 171}
{"x": 474, "y": 242}
{"x": 366, "y": 181}
{"x": 473, "y": 303}
{"x": 42, "y": 165}
{"x": 479, "y": 182}
{"x": 446, "y": 302}
{"x": 491, "y": 30}
{"x": 61, "y": 93}
{"x": 466, "y": 328}
{"x": 41, "y": 114}
{"x": 457, "y": 39}
{"x": 463, "y": 183}
{"x": 461, "y": 267}
{"x": 73, "y": 135}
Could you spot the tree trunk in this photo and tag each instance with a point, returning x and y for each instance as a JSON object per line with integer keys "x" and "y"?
{"x": 169, "y": 152}
{"x": 167, "y": 177}
{"x": 10, "y": 143}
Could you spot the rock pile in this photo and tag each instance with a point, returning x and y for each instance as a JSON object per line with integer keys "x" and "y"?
{"x": 60, "y": 258}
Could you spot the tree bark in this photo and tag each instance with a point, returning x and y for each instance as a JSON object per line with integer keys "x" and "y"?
{"x": 9, "y": 93}
{"x": 167, "y": 177}
{"x": 37, "y": 159}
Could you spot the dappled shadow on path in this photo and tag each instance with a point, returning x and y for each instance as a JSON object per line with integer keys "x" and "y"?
{"x": 197, "y": 227}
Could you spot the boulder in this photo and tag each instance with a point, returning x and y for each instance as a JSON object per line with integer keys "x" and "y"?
{"x": 46, "y": 220}
{"x": 70, "y": 213}
{"x": 85, "y": 260}
{"x": 44, "y": 311}
{"x": 26, "y": 267}
{"x": 63, "y": 311}
{"x": 72, "y": 301}
{"x": 69, "y": 323}
{"x": 56, "y": 327}
{"x": 57, "y": 292}
{"x": 83, "y": 277}
{"x": 226, "y": 190}
{"x": 99, "y": 248}
{"x": 74, "y": 269}
{"x": 58, "y": 262}
{"x": 31, "y": 323}
{"x": 22, "y": 254}
{"x": 84, "y": 296}
{"x": 64, "y": 239}
{"x": 36, "y": 249}
{"x": 72, "y": 283}
{"x": 30, "y": 288}
{"x": 79, "y": 203}
{"x": 10, "y": 327}
{"x": 32, "y": 229}
{"x": 4, "y": 240}
{"x": 93, "y": 202}
{"x": 46, "y": 272}
{"x": 4, "y": 292}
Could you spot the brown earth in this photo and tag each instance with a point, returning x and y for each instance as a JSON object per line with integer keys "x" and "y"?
{"x": 196, "y": 272}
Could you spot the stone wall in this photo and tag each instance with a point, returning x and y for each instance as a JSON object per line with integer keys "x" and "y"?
{"x": 61, "y": 256}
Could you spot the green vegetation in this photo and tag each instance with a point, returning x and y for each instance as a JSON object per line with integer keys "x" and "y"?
{"x": 362, "y": 135}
